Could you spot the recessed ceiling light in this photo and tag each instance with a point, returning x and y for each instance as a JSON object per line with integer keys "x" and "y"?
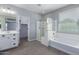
{"x": 38, "y": 4}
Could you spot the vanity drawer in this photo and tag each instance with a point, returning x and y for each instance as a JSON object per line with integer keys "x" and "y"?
{"x": 13, "y": 39}
{"x": 13, "y": 35}
{"x": 15, "y": 43}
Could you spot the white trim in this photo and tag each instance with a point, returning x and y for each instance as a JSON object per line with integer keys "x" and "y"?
{"x": 38, "y": 37}
{"x": 29, "y": 29}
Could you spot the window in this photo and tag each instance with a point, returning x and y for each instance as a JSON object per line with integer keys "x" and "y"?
{"x": 69, "y": 21}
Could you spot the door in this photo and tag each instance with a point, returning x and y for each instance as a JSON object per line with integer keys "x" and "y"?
{"x": 24, "y": 31}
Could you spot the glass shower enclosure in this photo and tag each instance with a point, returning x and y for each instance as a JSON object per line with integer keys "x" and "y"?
{"x": 46, "y": 31}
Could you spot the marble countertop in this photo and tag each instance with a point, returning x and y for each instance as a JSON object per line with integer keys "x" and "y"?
{"x": 8, "y": 32}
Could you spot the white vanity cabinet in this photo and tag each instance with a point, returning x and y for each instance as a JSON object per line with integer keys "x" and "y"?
{"x": 8, "y": 40}
{"x": 9, "y": 30}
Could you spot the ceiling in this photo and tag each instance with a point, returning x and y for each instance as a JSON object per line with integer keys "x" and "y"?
{"x": 41, "y": 8}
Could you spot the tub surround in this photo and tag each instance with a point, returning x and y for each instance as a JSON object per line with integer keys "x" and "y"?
{"x": 68, "y": 43}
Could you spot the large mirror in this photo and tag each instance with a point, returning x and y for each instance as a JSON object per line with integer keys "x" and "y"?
{"x": 10, "y": 24}
{"x": 7, "y": 20}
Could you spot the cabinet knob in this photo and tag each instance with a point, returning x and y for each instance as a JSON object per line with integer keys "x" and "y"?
{"x": 3, "y": 35}
{"x": 14, "y": 38}
{"x": 14, "y": 43}
{"x": 13, "y": 34}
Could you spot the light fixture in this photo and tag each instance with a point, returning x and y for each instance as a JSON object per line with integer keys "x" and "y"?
{"x": 7, "y": 11}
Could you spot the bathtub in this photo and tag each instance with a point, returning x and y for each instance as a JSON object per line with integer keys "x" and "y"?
{"x": 68, "y": 43}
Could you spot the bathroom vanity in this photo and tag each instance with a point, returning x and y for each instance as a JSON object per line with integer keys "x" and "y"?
{"x": 9, "y": 31}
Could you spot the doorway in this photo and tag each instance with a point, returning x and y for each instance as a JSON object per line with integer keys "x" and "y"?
{"x": 24, "y": 32}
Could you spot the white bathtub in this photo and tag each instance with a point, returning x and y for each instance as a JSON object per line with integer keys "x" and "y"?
{"x": 68, "y": 43}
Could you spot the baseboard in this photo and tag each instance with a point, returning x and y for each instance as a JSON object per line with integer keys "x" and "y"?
{"x": 31, "y": 39}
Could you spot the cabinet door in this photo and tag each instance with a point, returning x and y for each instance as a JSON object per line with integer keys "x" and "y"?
{"x": 5, "y": 42}
{"x": 1, "y": 42}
